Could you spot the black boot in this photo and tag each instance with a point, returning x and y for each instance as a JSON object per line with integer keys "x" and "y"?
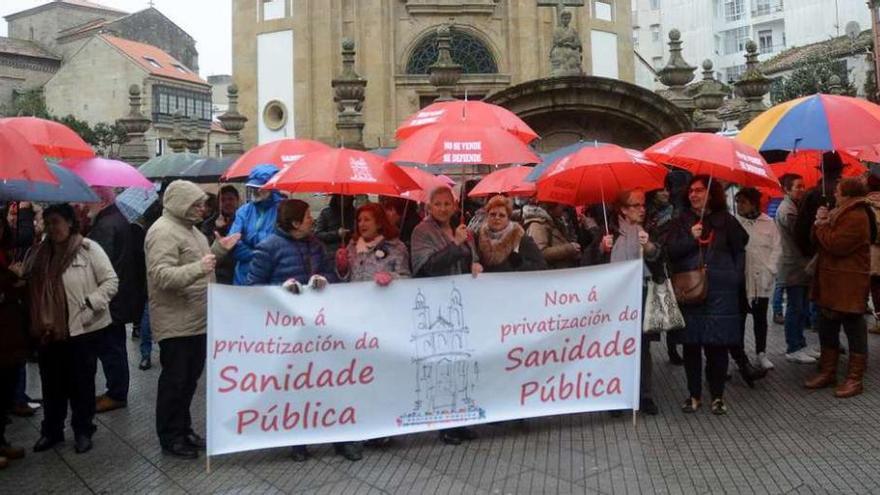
{"x": 82, "y": 443}
{"x": 353, "y": 451}
{"x": 299, "y": 453}
{"x": 750, "y": 373}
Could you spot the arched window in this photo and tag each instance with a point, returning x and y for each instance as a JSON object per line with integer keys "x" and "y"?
{"x": 467, "y": 50}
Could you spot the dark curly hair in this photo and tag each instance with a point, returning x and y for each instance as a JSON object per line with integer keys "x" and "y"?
{"x": 65, "y": 211}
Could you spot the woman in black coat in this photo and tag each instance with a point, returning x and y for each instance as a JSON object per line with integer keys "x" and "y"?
{"x": 718, "y": 241}
{"x": 502, "y": 245}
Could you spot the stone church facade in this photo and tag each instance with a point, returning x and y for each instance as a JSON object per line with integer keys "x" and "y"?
{"x": 286, "y": 53}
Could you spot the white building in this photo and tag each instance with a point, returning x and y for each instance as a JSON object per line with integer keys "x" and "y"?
{"x": 718, "y": 30}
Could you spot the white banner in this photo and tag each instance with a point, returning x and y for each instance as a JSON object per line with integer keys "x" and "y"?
{"x": 359, "y": 361}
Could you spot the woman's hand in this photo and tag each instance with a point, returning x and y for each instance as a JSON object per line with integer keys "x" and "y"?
{"x": 608, "y": 243}
{"x": 229, "y": 241}
{"x": 476, "y": 269}
{"x": 209, "y": 261}
{"x": 383, "y": 279}
{"x": 293, "y": 286}
{"x": 17, "y": 268}
{"x": 643, "y": 238}
{"x": 317, "y": 282}
{"x": 697, "y": 231}
{"x": 461, "y": 235}
{"x": 342, "y": 264}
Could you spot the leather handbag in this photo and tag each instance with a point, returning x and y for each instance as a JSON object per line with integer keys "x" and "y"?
{"x": 692, "y": 286}
{"x": 661, "y": 308}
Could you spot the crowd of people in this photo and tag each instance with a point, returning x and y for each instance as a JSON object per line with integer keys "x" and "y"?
{"x": 73, "y": 276}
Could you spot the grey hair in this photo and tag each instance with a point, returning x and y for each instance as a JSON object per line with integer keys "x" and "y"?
{"x": 440, "y": 189}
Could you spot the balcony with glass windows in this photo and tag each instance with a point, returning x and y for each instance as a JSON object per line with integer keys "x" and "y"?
{"x": 764, "y": 10}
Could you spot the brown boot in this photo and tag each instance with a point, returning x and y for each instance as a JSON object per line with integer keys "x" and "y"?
{"x": 853, "y": 384}
{"x": 104, "y": 404}
{"x": 827, "y": 369}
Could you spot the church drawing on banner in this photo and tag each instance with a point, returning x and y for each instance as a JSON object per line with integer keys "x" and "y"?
{"x": 445, "y": 371}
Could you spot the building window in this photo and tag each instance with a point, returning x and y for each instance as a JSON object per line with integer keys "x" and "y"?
{"x": 734, "y": 10}
{"x": 766, "y": 7}
{"x": 152, "y": 61}
{"x": 180, "y": 68}
{"x": 655, "y": 32}
{"x": 735, "y": 72}
{"x": 765, "y": 41}
{"x": 655, "y": 4}
{"x": 636, "y": 36}
{"x": 167, "y": 101}
{"x": 603, "y": 10}
{"x": 467, "y": 50}
{"x": 274, "y": 9}
{"x": 735, "y": 40}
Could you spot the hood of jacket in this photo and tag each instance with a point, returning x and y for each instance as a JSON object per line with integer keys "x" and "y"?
{"x": 261, "y": 174}
{"x": 178, "y": 199}
{"x": 534, "y": 213}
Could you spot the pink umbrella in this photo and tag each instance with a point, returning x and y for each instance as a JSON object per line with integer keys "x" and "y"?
{"x": 99, "y": 171}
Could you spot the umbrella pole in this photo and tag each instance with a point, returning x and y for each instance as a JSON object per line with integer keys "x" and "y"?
{"x": 604, "y": 208}
{"x": 703, "y": 209}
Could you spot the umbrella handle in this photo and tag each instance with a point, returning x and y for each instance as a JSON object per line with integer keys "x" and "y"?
{"x": 604, "y": 208}
{"x": 708, "y": 189}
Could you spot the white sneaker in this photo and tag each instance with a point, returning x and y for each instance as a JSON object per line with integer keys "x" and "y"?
{"x": 813, "y": 353}
{"x": 764, "y": 362}
{"x": 800, "y": 357}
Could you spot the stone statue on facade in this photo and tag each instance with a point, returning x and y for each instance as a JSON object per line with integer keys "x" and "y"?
{"x": 566, "y": 56}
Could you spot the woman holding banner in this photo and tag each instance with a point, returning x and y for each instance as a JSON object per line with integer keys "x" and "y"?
{"x": 375, "y": 252}
{"x": 293, "y": 257}
{"x": 502, "y": 245}
{"x": 627, "y": 240}
{"x": 706, "y": 235}
{"x": 438, "y": 249}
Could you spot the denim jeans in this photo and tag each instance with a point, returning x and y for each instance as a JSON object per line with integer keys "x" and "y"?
{"x": 797, "y": 315}
{"x": 146, "y": 335}
{"x": 20, "y": 392}
{"x": 778, "y": 293}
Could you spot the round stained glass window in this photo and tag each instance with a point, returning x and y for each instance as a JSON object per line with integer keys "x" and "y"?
{"x": 467, "y": 51}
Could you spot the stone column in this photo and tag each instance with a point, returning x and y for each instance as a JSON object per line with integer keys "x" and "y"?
{"x": 349, "y": 94}
{"x": 752, "y": 86}
{"x": 233, "y": 122}
{"x": 445, "y": 73}
{"x": 835, "y": 85}
{"x": 134, "y": 150}
{"x": 178, "y": 141}
{"x": 677, "y": 74}
{"x": 708, "y": 100}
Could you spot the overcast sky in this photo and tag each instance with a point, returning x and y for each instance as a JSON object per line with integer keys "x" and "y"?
{"x": 208, "y": 21}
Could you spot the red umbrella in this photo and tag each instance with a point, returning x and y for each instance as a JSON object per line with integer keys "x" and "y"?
{"x": 808, "y": 164}
{"x": 19, "y": 160}
{"x": 452, "y": 112}
{"x": 426, "y": 183}
{"x": 511, "y": 181}
{"x": 716, "y": 156}
{"x": 50, "y": 138}
{"x": 280, "y": 153}
{"x": 463, "y": 143}
{"x": 596, "y": 174}
{"x": 342, "y": 171}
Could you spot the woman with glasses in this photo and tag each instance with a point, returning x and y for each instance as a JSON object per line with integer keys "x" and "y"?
{"x": 705, "y": 234}
{"x": 502, "y": 245}
{"x": 627, "y": 240}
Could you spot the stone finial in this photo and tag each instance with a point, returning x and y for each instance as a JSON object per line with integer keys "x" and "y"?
{"x": 178, "y": 140}
{"x": 233, "y": 122}
{"x": 677, "y": 74}
{"x": 134, "y": 150}
{"x": 195, "y": 139}
{"x": 349, "y": 93}
{"x": 752, "y": 86}
{"x": 708, "y": 99}
{"x": 444, "y": 73}
{"x": 835, "y": 85}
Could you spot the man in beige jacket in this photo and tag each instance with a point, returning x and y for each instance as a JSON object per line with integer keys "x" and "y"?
{"x": 180, "y": 265}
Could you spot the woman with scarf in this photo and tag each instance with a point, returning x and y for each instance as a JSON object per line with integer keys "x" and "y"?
{"x": 293, "y": 257}
{"x": 438, "y": 249}
{"x": 842, "y": 283}
{"x": 375, "y": 252}
{"x": 502, "y": 245}
{"x": 706, "y": 235}
{"x": 71, "y": 283}
{"x": 627, "y": 240}
{"x": 660, "y": 212}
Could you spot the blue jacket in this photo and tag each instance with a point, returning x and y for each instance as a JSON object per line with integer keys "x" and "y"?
{"x": 256, "y": 222}
{"x": 281, "y": 257}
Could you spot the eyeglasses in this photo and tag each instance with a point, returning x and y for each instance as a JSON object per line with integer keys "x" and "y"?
{"x": 636, "y": 205}
{"x": 697, "y": 190}
{"x": 497, "y": 215}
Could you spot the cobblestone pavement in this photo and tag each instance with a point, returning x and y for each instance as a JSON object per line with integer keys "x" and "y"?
{"x": 777, "y": 438}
